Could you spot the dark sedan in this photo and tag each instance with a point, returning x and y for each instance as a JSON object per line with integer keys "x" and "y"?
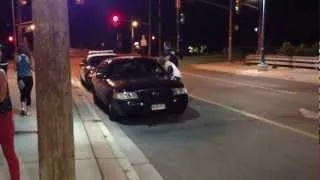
{"x": 89, "y": 65}
{"x": 137, "y": 85}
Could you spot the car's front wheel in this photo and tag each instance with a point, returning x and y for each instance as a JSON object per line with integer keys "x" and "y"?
{"x": 179, "y": 110}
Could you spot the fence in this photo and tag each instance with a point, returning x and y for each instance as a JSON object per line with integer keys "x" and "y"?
{"x": 286, "y": 61}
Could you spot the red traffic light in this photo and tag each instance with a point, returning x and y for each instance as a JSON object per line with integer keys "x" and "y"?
{"x": 115, "y": 19}
{"x": 10, "y": 38}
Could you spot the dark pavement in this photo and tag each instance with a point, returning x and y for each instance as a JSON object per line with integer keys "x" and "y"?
{"x": 249, "y": 128}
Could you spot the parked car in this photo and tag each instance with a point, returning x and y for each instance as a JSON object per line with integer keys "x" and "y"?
{"x": 137, "y": 85}
{"x": 90, "y": 63}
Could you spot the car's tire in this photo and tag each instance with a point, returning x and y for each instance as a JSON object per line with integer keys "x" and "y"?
{"x": 113, "y": 115}
{"x": 95, "y": 98}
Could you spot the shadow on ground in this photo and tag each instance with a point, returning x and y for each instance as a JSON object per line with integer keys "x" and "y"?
{"x": 160, "y": 118}
{"x": 156, "y": 118}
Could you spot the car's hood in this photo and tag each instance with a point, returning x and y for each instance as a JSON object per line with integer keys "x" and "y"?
{"x": 144, "y": 83}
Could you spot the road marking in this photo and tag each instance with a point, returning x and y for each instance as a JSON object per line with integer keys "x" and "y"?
{"x": 309, "y": 114}
{"x": 259, "y": 118}
{"x": 240, "y": 83}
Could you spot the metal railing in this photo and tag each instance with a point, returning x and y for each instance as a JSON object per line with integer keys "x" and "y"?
{"x": 285, "y": 61}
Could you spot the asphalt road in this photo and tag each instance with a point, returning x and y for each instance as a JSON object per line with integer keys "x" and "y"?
{"x": 236, "y": 127}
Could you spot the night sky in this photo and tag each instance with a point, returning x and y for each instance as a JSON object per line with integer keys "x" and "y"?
{"x": 90, "y": 24}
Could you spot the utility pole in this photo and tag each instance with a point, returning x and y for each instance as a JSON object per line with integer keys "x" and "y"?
{"x": 178, "y": 8}
{"x": 159, "y": 29}
{"x": 262, "y": 65}
{"x": 53, "y": 89}
{"x": 230, "y": 30}
{"x": 132, "y": 39}
{"x": 14, "y": 25}
{"x": 19, "y": 29}
{"x": 150, "y": 28}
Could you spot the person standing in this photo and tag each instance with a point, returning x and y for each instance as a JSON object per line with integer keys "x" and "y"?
{"x": 3, "y": 60}
{"x": 25, "y": 80}
{"x": 170, "y": 68}
{"x": 170, "y": 54}
{"x": 7, "y": 128}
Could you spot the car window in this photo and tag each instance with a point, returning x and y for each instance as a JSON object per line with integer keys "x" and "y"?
{"x": 96, "y": 60}
{"x": 131, "y": 68}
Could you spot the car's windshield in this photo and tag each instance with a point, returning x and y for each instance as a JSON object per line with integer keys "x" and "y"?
{"x": 131, "y": 68}
{"x": 96, "y": 60}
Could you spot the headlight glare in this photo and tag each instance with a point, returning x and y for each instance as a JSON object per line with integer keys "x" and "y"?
{"x": 179, "y": 91}
{"x": 125, "y": 95}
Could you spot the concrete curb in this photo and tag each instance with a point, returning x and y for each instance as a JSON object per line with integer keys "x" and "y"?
{"x": 255, "y": 73}
{"x": 133, "y": 163}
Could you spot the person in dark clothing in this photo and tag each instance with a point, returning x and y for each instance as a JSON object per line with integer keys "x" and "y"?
{"x": 7, "y": 128}
{"x": 25, "y": 80}
{"x": 170, "y": 53}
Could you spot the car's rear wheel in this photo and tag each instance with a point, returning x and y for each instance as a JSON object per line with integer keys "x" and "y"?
{"x": 95, "y": 98}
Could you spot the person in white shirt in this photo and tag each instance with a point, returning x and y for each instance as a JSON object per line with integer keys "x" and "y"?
{"x": 171, "y": 68}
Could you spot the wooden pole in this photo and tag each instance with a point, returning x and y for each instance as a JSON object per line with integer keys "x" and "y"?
{"x": 14, "y": 25}
{"x": 53, "y": 89}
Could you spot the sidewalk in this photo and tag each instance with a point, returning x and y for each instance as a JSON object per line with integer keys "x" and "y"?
{"x": 291, "y": 74}
{"x": 97, "y": 156}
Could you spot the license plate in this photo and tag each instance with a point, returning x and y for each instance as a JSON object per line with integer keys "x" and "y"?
{"x": 158, "y": 107}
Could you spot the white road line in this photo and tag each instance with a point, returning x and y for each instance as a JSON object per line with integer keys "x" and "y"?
{"x": 259, "y": 118}
{"x": 241, "y": 83}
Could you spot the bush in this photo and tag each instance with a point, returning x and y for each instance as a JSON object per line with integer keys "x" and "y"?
{"x": 302, "y": 50}
{"x": 315, "y": 49}
{"x": 287, "y": 49}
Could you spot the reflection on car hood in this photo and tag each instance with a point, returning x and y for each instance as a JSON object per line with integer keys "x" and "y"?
{"x": 144, "y": 83}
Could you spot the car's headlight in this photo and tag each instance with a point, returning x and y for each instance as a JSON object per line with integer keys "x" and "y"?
{"x": 179, "y": 91}
{"x": 125, "y": 95}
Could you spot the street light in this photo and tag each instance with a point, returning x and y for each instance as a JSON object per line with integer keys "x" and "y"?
{"x": 32, "y": 27}
{"x": 134, "y": 24}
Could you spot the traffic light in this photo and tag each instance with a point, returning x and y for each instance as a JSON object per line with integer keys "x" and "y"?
{"x": 10, "y": 39}
{"x": 237, "y": 6}
{"x": 182, "y": 18}
{"x": 115, "y": 20}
